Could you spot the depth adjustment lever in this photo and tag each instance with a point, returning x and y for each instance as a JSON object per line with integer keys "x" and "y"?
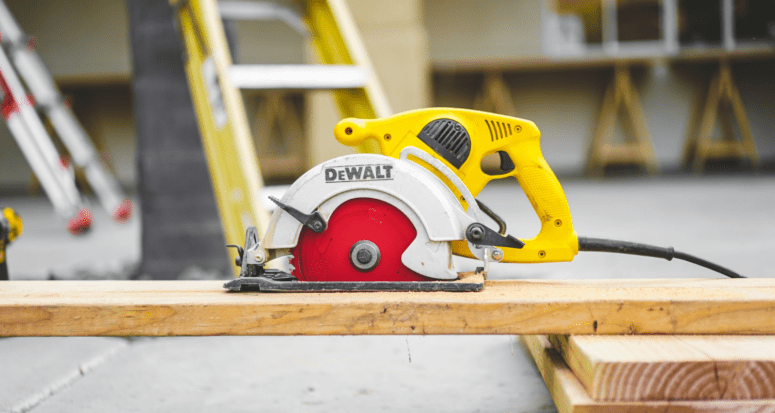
{"x": 313, "y": 221}
{"x": 480, "y": 235}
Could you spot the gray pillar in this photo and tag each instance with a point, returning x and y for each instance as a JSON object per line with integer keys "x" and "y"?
{"x": 181, "y": 228}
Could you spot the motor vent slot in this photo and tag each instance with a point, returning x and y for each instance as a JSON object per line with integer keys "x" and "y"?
{"x": 449, "y": 139}
{"x": 498, "y": 130}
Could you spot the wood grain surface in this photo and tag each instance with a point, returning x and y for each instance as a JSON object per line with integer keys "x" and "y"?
{"x": 167, "y": 308}
{"x": 571, "y": 397}
{"x": 632, "y": 368}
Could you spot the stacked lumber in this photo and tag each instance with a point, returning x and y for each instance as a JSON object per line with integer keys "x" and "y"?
{"x": 657, "y": 373}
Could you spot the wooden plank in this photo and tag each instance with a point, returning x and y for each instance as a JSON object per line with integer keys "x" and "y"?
{"x": 535, "y": 63}
{"x": 162, "y": 308}
{"x": 571, "y": 397}
{"x": 720, "y": 149}
{"x": 635, "y": 368}
{"x": 621, "y": 154}
{"x": 596, "y": 60}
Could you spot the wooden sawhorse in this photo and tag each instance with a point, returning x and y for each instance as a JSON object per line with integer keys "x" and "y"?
{"x": 722, "y": 101}
{"x": 636, "y": 149}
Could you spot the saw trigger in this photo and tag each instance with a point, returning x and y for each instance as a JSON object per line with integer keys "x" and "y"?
{"x": 507, "y": 165}
{"x": 314, "y": 221}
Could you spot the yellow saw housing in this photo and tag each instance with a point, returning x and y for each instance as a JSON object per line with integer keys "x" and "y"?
{"x": 443, "y": 132}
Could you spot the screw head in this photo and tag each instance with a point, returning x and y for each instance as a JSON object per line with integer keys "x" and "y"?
{"x": 364, "y": 255}
{"x": 317, "y": 225}
{"x": 476, "y": 232}
{"x": 497, "y": 255}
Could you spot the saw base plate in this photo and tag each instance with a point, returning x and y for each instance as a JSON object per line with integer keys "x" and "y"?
{"x": 472, "y": 283}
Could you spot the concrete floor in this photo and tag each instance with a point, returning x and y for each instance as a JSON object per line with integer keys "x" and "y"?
{"x": 726, "y": 219}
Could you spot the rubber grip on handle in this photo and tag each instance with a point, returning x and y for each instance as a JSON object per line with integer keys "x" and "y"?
{"x": 557, "y": 241}
{"x": 545, "y": 194}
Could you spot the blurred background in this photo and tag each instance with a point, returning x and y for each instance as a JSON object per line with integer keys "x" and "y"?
{"x": 555, "y": 59}
{"x": 639, "y": 170}
{"x": 552, "y": 62}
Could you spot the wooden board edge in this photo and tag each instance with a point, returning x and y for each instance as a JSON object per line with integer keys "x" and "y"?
{"x": 582, "y": 366}
{"x": 670, "y": 367}
{"x": 565, "y": 389}
{"x": 570, "y": 396}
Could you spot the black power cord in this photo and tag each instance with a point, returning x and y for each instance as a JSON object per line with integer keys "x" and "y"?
{"x": 634, "y": 248}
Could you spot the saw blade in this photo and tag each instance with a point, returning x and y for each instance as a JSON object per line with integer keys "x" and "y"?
{"x": 364, "y": 241}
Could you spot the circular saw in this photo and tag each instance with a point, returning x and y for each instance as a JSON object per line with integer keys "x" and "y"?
{"x": 392, "y": 221}
{"x": 368, "y": 222}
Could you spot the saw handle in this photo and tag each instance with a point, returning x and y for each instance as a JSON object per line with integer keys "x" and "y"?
{"x": 489, "y": 133}
{"x": 556, "y": 241}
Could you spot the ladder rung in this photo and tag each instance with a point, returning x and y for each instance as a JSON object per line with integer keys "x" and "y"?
{"x": 297, "y": 76}
{"x": 260, "y": 11}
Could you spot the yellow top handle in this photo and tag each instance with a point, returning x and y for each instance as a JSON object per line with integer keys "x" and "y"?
{"x": 461, "y": 139}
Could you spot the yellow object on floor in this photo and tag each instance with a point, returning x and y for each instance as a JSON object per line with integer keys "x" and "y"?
{"x": 10, "y": 229}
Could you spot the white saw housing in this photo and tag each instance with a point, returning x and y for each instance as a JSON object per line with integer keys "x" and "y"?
{"x": 432, "y": 208}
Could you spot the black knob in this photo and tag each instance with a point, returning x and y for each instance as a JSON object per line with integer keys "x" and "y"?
{"x": 475, "y": 232}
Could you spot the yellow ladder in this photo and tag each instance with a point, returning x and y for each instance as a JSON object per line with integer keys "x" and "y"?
{"x": 215, "y": 84}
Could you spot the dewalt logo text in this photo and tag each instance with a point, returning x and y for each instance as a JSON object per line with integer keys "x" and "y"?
{"x": 356, "y": 173}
